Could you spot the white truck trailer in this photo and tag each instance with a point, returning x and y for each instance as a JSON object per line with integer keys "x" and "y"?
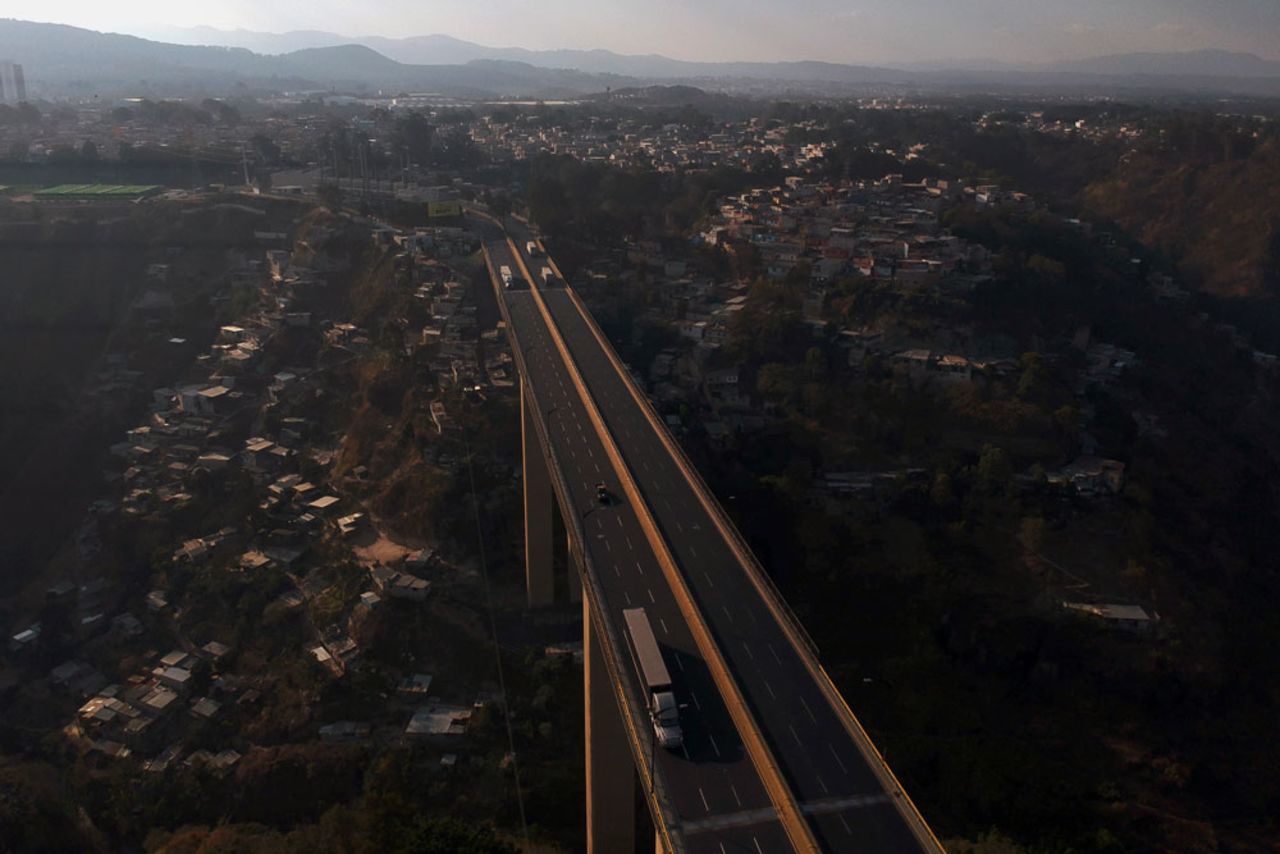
{"x": 664, "y": 712}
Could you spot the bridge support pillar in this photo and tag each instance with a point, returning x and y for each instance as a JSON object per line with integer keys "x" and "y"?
{"x": 610, "y": 778}
{"x": 538, "y": 505}
{"x": 575, "y": 570}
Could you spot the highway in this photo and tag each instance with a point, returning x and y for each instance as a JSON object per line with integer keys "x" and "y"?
{"x": 848, "y": 796}
{"x": 716, "y": 790}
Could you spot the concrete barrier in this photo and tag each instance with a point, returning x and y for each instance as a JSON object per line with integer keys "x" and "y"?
{"x": 634, "y": 714}
{"x": 769, "y": 593}
{"x": 784, "y": 801}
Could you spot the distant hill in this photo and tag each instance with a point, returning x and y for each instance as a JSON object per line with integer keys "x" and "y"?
{"x": 442, "y": 49}
{"x": 1218, "y": 217}
{"x": 1203, "y": 63}
{"x": 62, "y": 59}
{"x": 69, "y": 60}
{"x": 1197, "y": 63}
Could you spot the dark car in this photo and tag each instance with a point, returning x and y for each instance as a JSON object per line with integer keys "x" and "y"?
{"x": 602, "y": 493}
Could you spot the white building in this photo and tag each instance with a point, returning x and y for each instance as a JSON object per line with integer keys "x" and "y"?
{"x": 13, "y": 86}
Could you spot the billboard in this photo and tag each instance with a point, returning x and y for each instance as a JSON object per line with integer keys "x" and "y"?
{"x": 443, "y": 209}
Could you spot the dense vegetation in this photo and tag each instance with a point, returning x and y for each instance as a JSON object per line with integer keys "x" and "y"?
{"x": 936, "y": 601}
{"x": 1205, "y": 195}
{"x": 1000, "y": 710}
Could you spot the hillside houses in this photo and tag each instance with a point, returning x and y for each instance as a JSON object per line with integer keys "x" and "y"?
{"x": 884, "y": 229}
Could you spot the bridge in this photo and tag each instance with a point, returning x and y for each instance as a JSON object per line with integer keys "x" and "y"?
{"x": 773, "y": 759}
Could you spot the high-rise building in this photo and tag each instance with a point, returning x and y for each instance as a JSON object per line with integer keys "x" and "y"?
{"x": 13, "y": 87}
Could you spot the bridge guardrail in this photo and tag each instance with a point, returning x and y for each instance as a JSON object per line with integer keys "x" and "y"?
{"x": 769, "y": 592}
{"x": 656, "y": 789}
{"x": 788, "y": 809}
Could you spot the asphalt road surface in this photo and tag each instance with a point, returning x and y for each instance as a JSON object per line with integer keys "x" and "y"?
{"x": 834, "y": 782}
{"x": 716, "y": 791}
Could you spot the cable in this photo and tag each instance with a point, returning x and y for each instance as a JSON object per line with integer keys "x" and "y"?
{"x": 497, "y": 648}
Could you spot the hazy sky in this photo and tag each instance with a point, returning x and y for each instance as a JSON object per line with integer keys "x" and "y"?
{"x": 848, "y": 31}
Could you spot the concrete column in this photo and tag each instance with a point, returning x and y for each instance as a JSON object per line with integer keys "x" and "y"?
{"x": 574, "y": 567}
{"x": 611, "y": 808}
{"x": 538, "y": 504}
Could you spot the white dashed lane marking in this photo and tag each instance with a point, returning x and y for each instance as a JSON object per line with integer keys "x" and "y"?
{"x": 836, "y": 756}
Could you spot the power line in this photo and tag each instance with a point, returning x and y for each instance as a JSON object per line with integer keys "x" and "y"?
{"x": 497, "y": 648}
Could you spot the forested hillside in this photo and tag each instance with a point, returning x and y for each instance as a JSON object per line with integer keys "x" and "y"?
{"x": 1209, "y": 197}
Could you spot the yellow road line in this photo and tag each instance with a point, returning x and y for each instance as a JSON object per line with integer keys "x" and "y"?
{"x": 792, "y": 819}
{"x": 654, "y": 785}
{"x": 906, "y": 807}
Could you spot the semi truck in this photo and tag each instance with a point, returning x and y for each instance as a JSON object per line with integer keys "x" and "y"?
{"x": 548, "y": 276}
{"x": 660, "y": 698}
{"x": 532, "y": 249}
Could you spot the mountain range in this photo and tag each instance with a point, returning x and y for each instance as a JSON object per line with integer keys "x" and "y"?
{"x": 62, "y": 60}
{"x": 68, "y": 60}
{"x": 438, "y": 49}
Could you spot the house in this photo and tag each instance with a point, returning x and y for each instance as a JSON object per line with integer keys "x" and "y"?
{"x": 257, "y": 454}
{"x": 113, "y": 749}
{"x": 439, "y": 719}
{"x": 409, "y": 587}
{"x": 223, "y": 761}
{"x": 158, "y": 701}
{"x": 214, "y": 651}
{"x": 177, "y": 678}
{"x": 106, "y": 712}
{"x": 1132, "y": 618}
{"x": 126, "y": 625}
{"x": 62, "y": 592}
{"x": 205, "y": 708}
{"x": 213, "y": 461}
{"x": 25, "y": 639}
{"x": 177, "y": 658}
{"x": 214, "y": 400}
{"x": 191, "y": 551}
{"x": 324, "y": 506}
{"x": 253, "y": 559}
{"x": 417, "y": 684}
{"x": 340, "y": 731}
{"x": 916, "y": 362}
{"x": 164, "y": 759}
{"x": 953, "y": 369}
{"x": 1090, "y": 475}
{"x": 65, "y": 674}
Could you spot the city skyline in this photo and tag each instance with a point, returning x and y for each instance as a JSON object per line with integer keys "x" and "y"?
{"x": 866, "y": 31}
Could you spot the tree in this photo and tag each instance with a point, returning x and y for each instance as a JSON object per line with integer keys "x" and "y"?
{"x": 941, "y": 492}
{"x": 994, "y": 467}
{"x": 455, "y": 149}
{"x": 27, "y": 114}
{"x": 413, "y": 136}
{"x": 265, "y": 148}
{"x": 330, "y": 195}
{"x": 768, "y": 324}
{"x": 548, "y": 204}
{"x": 62, "y": 155}
{"x": 89, "y": 152}
{"x": 448, "y": 835}
{"x": 500, "y": 205}
{"x": 780, "y": 382}
{"x": 1031, "y": 533}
